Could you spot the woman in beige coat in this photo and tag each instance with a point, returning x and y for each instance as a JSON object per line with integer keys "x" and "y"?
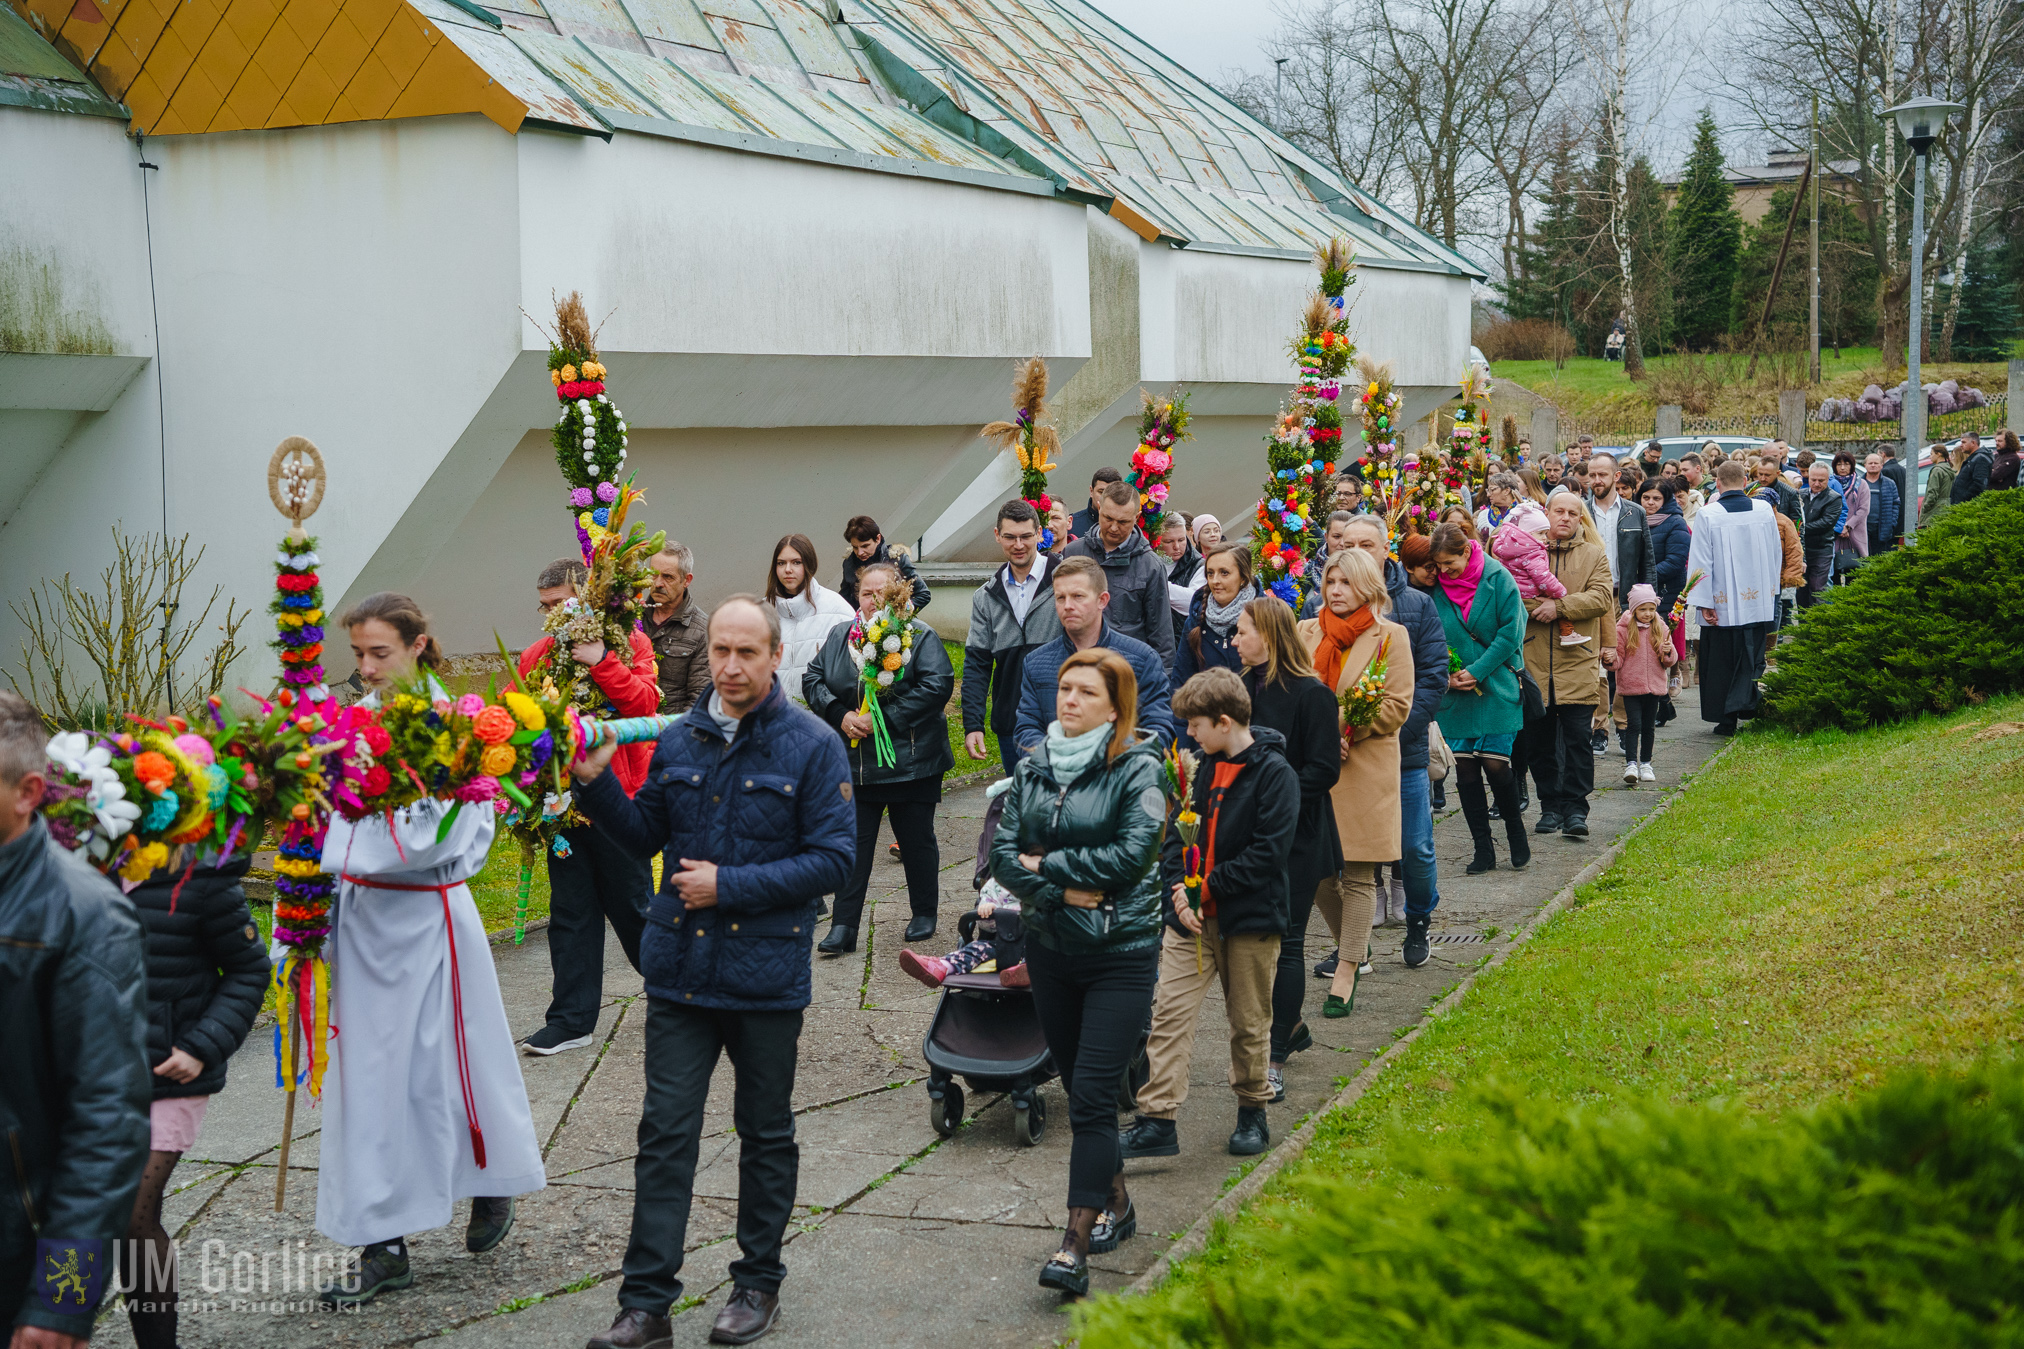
{"x": 1343, "y": 641}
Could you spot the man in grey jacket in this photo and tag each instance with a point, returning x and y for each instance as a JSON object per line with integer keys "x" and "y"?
{"x": 74, "y": 1081}
{"x": 1137, "y": 574}
{"x": 1010, "y": 614}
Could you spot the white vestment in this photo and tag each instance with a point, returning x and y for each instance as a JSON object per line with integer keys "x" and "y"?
{"x": 397, "y": 1150}
{"x": 1739, "y": 557}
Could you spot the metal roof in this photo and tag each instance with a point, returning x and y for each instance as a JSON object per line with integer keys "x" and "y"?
{"x": 34, "y": 74}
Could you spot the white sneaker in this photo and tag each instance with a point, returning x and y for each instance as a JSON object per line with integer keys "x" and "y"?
{"x": 1575, "y": 639}
{"x": 1629, "y": 773}
{"x": 1645, "y": 774}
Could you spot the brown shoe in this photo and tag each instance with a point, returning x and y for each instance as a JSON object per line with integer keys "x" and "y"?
{"x": 749, "y": 1314}
{"x": 636, "y": 1329}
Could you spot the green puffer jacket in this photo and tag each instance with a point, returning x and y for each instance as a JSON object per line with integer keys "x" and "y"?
{"x": 1101, "y": 832}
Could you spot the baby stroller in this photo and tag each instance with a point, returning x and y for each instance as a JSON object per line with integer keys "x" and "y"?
{"x": 986, "y": 1033}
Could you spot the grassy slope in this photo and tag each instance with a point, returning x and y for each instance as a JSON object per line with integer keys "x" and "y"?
{"x": 1811, "y": 915}
{"x": 1588, "y": 390}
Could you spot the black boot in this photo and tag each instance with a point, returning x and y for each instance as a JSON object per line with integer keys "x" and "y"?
{"x": 1149, "y": 1138}
{"x": 841, "y": 939}
{"x": 1477, "y": 812}
{"x": 1252, "y": 1135}
{"x": 1514, "y": 821}
{"x": 1415, "y": 951}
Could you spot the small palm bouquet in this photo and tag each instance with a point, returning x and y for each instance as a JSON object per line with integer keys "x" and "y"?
{"x": 1361, "y": 701}
{"x": 1180, "y": 771}
{"x": 882, "y": 648}
{"x": 1680, "y": 604}
{"x": 608, "y": 604}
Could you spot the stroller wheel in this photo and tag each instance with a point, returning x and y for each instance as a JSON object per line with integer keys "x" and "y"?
{"x": 1030, "y": 1123}
{"x": 945, "y": 1112}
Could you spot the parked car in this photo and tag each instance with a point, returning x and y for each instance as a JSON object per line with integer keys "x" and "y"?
{"x": 1672, "y": 447}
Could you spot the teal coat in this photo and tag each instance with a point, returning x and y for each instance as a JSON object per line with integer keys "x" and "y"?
{"x": 1498, "y": 614}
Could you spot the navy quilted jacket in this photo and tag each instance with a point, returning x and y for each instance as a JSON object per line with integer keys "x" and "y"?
{"x": 771, "y": 807}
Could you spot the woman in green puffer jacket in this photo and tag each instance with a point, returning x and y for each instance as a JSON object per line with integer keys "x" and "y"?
{"x": 1079, "y": 844}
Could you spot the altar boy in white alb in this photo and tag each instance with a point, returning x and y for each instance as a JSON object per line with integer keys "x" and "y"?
{"x": 1735, "y": 557}
{"x": 423, "y": 1102}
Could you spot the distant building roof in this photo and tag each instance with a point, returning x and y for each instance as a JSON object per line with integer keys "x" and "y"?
{"x": 1782, "y": 167}
{"x": 34, "y": 74}
{"x": 1035, "y": 95}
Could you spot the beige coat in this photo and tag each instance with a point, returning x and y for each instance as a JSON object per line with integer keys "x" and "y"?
{"x": 1366, "y": 793}
{"x": 1571, "y": 676}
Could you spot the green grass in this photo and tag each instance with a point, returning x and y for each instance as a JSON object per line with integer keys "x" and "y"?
{"x": 965, "y": 765}
{"x": 1592, "y": 376}
{"x": 1813, "y": 915}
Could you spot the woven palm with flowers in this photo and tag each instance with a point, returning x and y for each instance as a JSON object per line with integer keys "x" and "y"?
{"x": 882, "y": 648}
{"x": 1163, "y": 424}
{"x": 1031, "y": 439}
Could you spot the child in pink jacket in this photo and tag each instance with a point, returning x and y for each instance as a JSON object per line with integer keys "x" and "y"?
{"x": 1644, "y": 654}
{"x": 1520, "y": 544}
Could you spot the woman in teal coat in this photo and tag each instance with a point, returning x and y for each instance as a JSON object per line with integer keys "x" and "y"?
{"x": 1483, "y": 711}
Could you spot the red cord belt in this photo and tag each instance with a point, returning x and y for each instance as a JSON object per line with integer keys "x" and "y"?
{"x": 456, "y": 1001}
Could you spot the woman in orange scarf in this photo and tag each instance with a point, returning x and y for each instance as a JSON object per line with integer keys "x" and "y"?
{"x": 1344, "y": 639}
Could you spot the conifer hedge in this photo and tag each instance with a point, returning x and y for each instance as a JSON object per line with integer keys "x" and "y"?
{"x": 1891, "y": 1220}
{"x": 1918, "y": 630}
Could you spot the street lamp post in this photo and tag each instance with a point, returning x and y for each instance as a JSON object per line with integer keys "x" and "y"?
{"x": 1920, "y": 121}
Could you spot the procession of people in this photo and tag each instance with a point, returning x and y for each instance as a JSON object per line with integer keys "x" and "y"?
{"x": 1131, "y": 682}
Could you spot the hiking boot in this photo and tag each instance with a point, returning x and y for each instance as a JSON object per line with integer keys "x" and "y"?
{"x": 491, "y": 1220}
{"x": 553, "y": 1040}
{"x": 1252, "y": 1136}
{"x": 1149, "y": 1138}
{"x": 635, "y": 1329}
{"x": 750, "y": 1313}
{"x": 1415, "y": 951}
{"x": 382, "y": 1268}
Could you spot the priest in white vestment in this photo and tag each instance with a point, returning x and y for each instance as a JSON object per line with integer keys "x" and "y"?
{"x": 1733, "y": 561}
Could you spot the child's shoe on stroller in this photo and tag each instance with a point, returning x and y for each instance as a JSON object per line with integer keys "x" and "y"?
{"x": 930, "y": 970}
{"x": 1016, "y": 977}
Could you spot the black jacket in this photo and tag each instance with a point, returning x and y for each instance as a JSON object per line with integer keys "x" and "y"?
{"x": 994, "y": 651}
{"x": 1631, "y": 548}
{"x": 885, "y": 553}
{"x": 1973, "y": 479}
{"x": 1788, "y": 500}
{"x": 1101, "y": 830}
{"x": 2002, "y": 473}
{"x": 1180, "y": 576}
{"x": 1820, "y": 519}
{"x": 1256, "y": 824}
{"x": 913, "y": 708}
{"x": 1303, "y": 712}
{"x": 207, "y": 971}
{"x": 1082, "y": 524}
{"x": 74, "y": 1079}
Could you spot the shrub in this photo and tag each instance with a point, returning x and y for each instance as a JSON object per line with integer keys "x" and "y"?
{"x": 1890, "y": 1220}
{"x": 1923, "y": 629}
{"x": 1526, "y": 340}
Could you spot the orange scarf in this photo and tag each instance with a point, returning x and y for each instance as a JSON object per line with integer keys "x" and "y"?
{"x": 1338, "y": 635}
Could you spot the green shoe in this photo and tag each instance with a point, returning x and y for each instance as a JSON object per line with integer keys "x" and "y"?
{"x": 491, "y": 1220}
{"x": 1335, "y": 1008}
{"x": 381, "y": 1269}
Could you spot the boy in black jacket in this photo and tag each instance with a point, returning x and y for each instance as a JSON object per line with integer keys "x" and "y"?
{"x": 1248, "y": 799}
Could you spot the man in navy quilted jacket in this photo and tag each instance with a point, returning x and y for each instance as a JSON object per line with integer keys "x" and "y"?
{"x": 748, "y": 801}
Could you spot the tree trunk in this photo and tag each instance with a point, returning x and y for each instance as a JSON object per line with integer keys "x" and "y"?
{"x": 1944, "y": 348}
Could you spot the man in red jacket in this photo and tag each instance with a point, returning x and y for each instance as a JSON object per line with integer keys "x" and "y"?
{"x": 590, "y": 878}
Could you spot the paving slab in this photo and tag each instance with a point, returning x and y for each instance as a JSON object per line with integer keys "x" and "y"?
{"x": 900, "y": 1237}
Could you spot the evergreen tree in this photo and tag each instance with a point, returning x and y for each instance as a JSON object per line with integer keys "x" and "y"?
{"x": 1704, "y": 243}
{"x": 1989, "y": 321}
{"x": 1552, "y": 256}
{"x": 1847, "y": 272}
{"x": 1651, "y": 269}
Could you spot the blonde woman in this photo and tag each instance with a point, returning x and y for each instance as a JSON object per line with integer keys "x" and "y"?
{"x": 1342, "y": 641}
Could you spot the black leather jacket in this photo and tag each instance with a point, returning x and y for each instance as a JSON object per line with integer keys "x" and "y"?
{"x": 207, "y": 970}
{"x": 914, "y": 708}
{"x": 74, "y": 1080}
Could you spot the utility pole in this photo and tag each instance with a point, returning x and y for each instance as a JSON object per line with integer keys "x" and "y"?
{"x": 1279, "y": 94}
{"x": 1813, "y": 245}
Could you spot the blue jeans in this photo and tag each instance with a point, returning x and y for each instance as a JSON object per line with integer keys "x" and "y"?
{"x": 1416, "y": 839}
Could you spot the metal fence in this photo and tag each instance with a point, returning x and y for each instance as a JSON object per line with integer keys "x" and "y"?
{"x": 1982, "y": 420}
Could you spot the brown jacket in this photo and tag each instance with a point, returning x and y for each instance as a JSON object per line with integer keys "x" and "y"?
{"x": 1793, "y": 570}
{"x": 682, "y": 654}
{"x": 1571, "y": 676}
{"x": 1366, "y": 792}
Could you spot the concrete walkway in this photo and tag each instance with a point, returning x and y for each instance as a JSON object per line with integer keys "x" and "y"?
{"x": 899, "y": 1238}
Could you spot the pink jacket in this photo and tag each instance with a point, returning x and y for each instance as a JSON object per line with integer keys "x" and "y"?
{"x": 1523, "y": 555}
{"x": 1644, "y": 670}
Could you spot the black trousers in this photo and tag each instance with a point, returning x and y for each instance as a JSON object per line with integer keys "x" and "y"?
{"x": 598, "y": 880}
{"x": 920, "y": 855}
{"x": 1093, "y": 1009}
{"x": 1641, "y": 712}
{"x": 1558, "y": 752}
{"x": 1289, "y": 980}
{"x": 682, "y": 1045}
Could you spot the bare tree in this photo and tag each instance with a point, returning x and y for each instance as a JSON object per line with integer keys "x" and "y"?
{"x": 1607, "y": 32}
